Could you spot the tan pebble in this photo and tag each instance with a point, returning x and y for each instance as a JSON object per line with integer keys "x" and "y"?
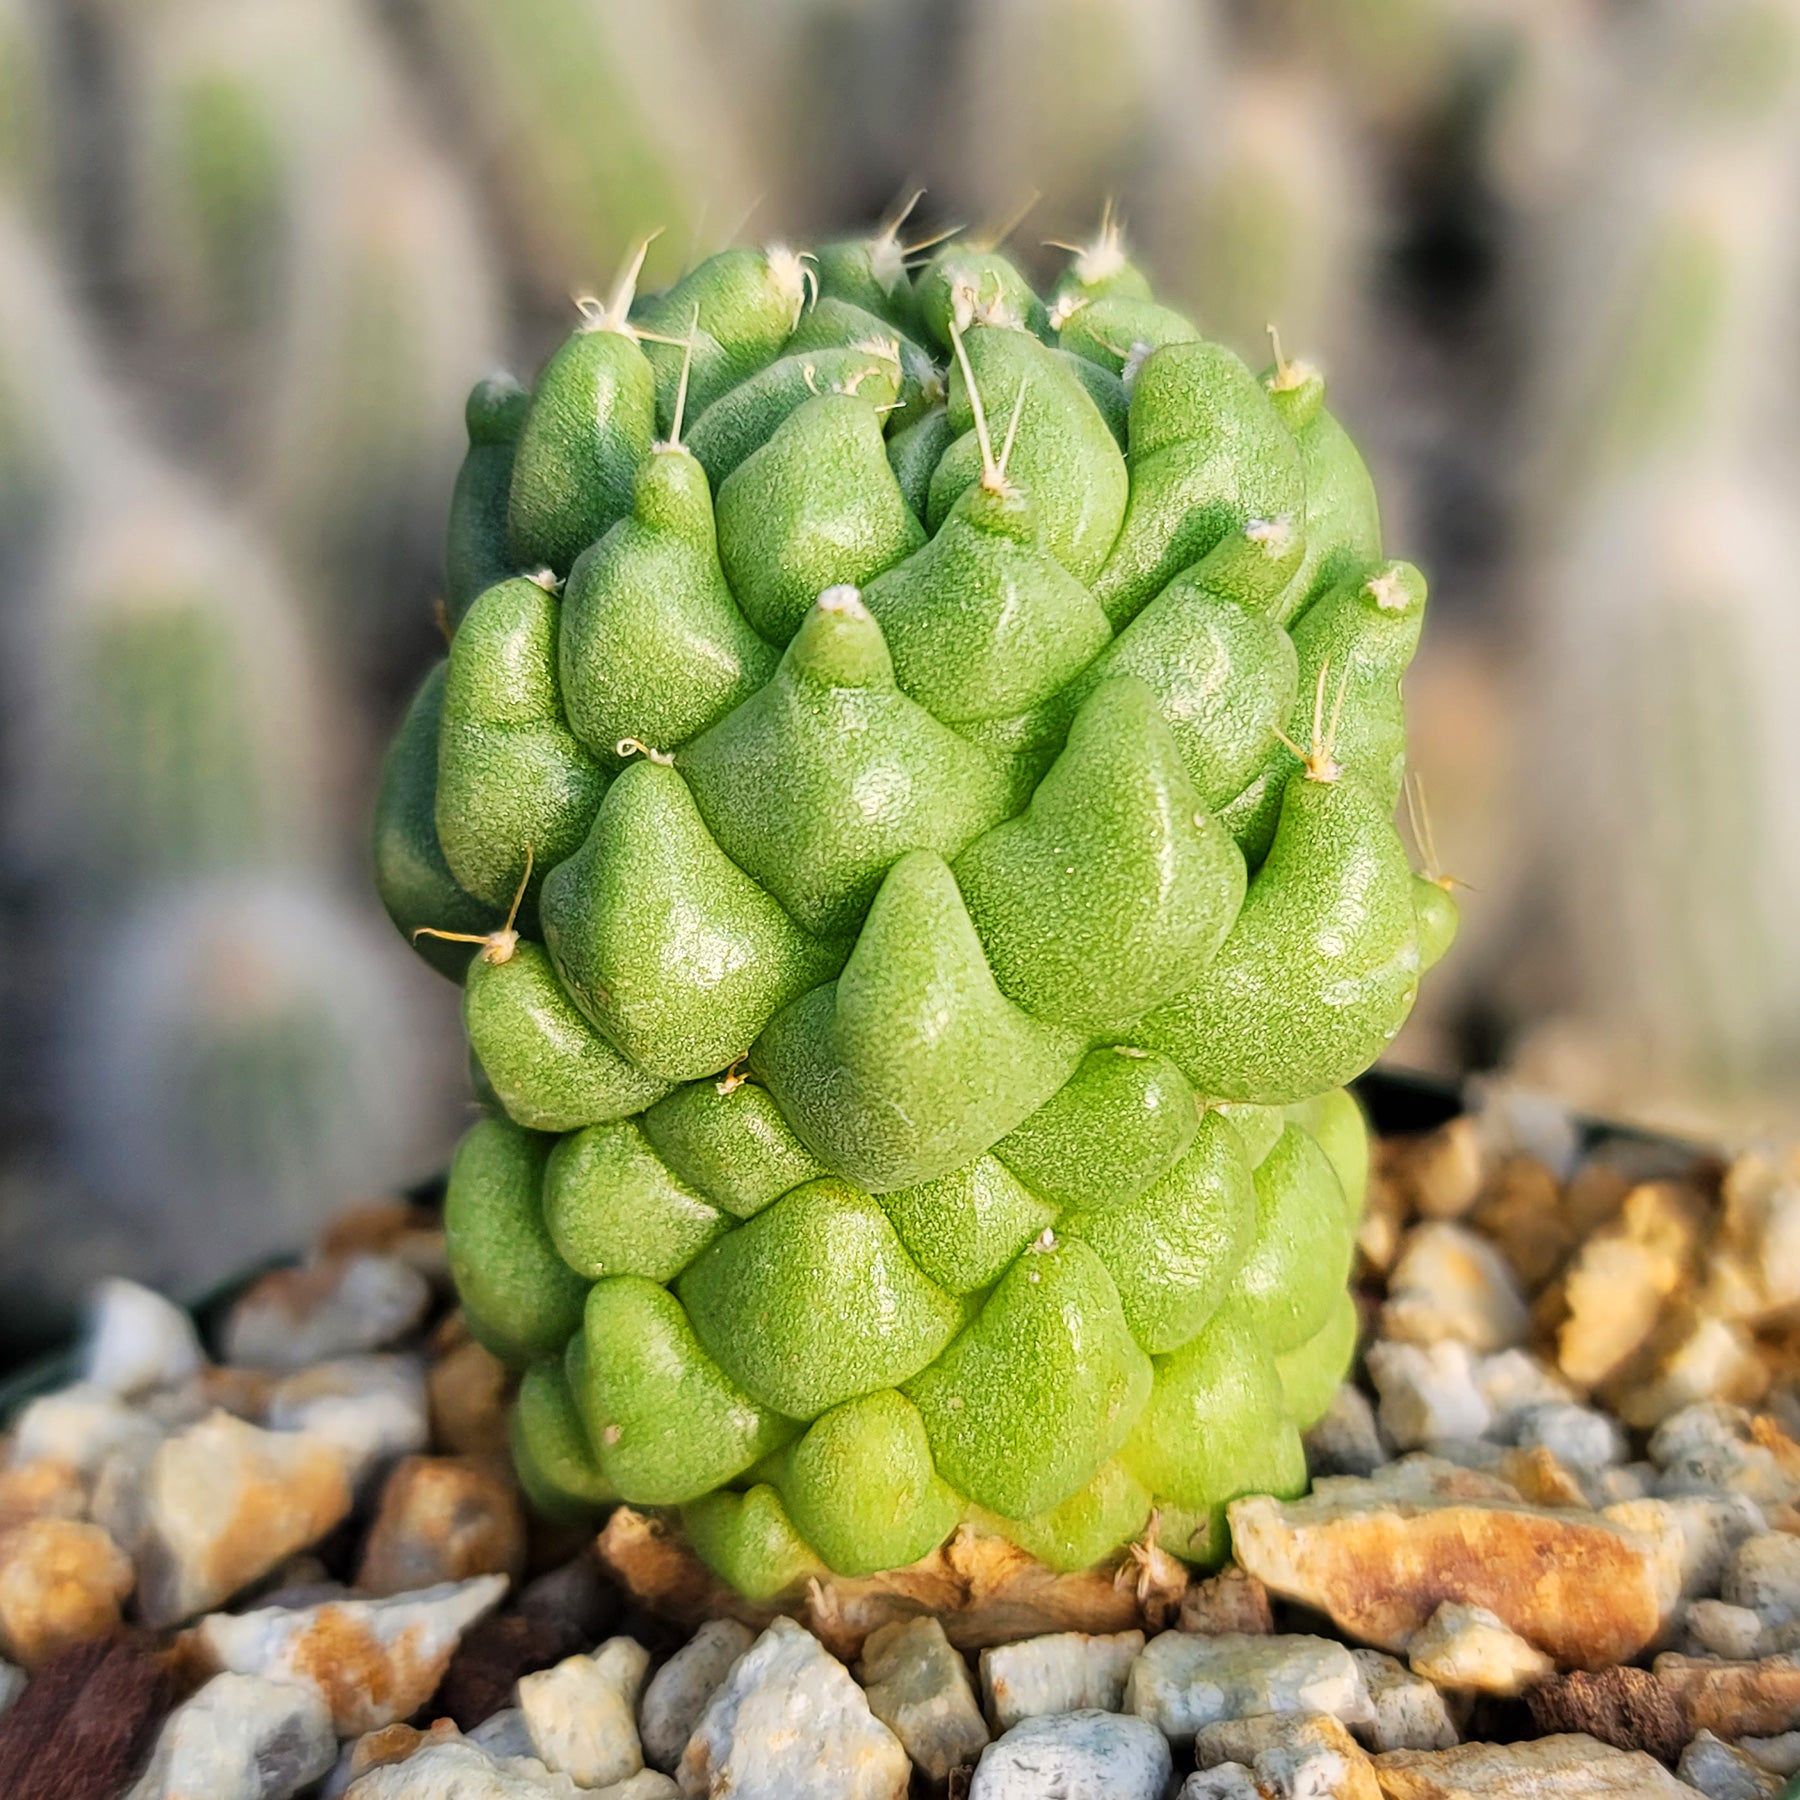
{"x": 1521, "y": 1211}
{"x": 443, "y": 1518}
{"x": 1291, "y": 1753}
{"x": 224, "y": 1502}
{"x": 62, "y": 1583}
{"x": 1617, "y": 1284}
{"x": 1583, "y": 1588}
{"x": 47, "y": 1488}
{"x": 1570, "y": 1767}
{"x": 470, "y": 1390}
{"x": 1467, "y": 1649}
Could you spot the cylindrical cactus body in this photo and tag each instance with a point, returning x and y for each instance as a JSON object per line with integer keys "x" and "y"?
{"x": 915, "y": 1081}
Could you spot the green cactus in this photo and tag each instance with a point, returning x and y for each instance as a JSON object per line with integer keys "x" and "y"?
{"x": 918, "y": 1026}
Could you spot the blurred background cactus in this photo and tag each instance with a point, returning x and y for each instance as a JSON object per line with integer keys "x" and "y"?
{"x": 253, "y": 254}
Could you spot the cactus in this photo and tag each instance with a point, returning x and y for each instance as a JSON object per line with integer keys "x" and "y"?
{"x": 179, "y": 726}
{"x": 239, "y": 1056}
{"x": 1663, "y": 625}
{"x": 914, "y": 1074}
{"x": 531, "y": 81}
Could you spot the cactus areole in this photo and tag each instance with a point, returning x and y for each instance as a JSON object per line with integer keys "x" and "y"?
{"x": 910, "y": 800}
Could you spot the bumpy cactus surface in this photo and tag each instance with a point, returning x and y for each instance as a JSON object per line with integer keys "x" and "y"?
{"x": 921, "y": 790}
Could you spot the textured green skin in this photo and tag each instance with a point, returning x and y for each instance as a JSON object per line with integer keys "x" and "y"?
{"x": 740, "y": 307}
{"x": 1310, "y": 1372}
{"x": 1214, "y": 1428}
{"x": 1122, "y": 1119}
{"x": 869, "y": 273}
{"x": 652, "y": 644}
{"x": 913, "y": 454}
{"x": 550, "y": 1447}
{"x": 817, "y": 505}
{"x": 982, "y": 623}
{"x": 745, "y": 417}
{"x": 884, "y": 1080}
{"x": 863, "y": 1489}
{"x": 783, "y": 1302}
{"x": 1226, "y": 679}
{"x": 1110, "y": 327}
{"x": 1174, "y": 1250}
{"x": 649, "y": 893}
{"x": 831, "y": 322}
{"x": 1041, "y": 1388}
{"x": 818, "y": 783}
{"x": 478, "y": 544}
{"x": 964, "y": 1228}
{"x": 1435, "y": 910}
{"x": 1320, "y": 967}
{"x": 519, "y": 1297}
{"x": 1006, "y": 1157}
{"x": 733, "y": 1146}
{"x": 995, "y": 282}
{"x": 1208, "y": 455}
{"x": 612, "y": 1208}
{"x": 665, "y": 1421}
{"x": 1300, "y": 1255}
{"x": 411, "y": 876}
{"x": 750, "y": 1539}
{"x": 1064, "y": 453}
{"x": 511, "y": 776}
{"x": 589, "y": 425}
{"x": 1343, "y": 516}
{"x": 1114, "y": 832}
{"x": 544, "y": 1063}
{"x": 1364, "y": 648}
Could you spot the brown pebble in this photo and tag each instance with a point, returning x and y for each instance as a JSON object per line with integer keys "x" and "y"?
{"x": 380, "y": 1226}
{"x": 1522, "y": 1212}
{"x": 1232, "y": 1600}
{"x": 470, "y": 1391}
{"x": 493, "y": 1654}
{"x": 443, "y": 1518}
{"x": 83, "y": 1726}
{"x": 1625, "y": 1707}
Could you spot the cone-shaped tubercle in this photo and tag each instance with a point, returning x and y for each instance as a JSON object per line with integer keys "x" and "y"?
{"x": 743, "y": 420}
{"x": 666, "y": 1422}
{"x": 739, "y": 306}
{"x": 816, "y": 507}
{"x": 1209, "y": 455}
{"x": 588, "y": 426}
{"x": 546, "y": 1064}
{"x": 1113, "y": 889}
{"x": 478, "y": 544}
{"x": 1174, "y": 1250}
{"x": 663, "y": 942}
{"x": 1215, "y": 1428}
{"x": 1343, "y": 517}
{"x": 981, "y": 622}
{"x": 965, "y": 285}
{"x": 1125, "y": 1119}
{"x": 411, "y": 875}
{"x": 1226, "y": 678}
{"x": 1320, "y": 969}
{"x": 1041, "y": 1388}
{"x": 817, "y": 784}
{"x": 1362, "y": 636}
{"x": 913, "y": 1062}
{"x": 513, "y": 781}
{"x": 653, "y": 647}
{"x": 1117, "y": 331}
{"x": 783, "y": 1302}
{"x": 1063, "y": 452}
